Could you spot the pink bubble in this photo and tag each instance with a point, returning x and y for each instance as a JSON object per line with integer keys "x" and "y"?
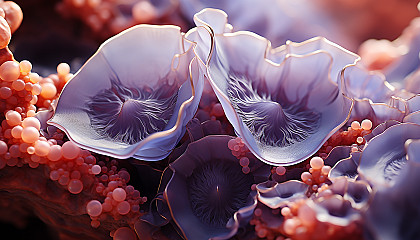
{"x": 280, "y": 170}
{"x": 246, "y": 170}
{"x": 9, "y": 71}
{"x": 244, "y": 161}
{"x": 135, "y": 208}
{"x": 305, "y": 176}
{"x": 2, "y": 163}
{"x": 218, "y": 110}
{"x": 366, "y": 124}
{"x": 317, "y": 163}
{"x": 54, "y": 175}
{"x": 95, "y": 223}
{"x": 70, "y": 150}
{"x": 107, "y": 207}
{"x": 96, "y": 169}
{"x": 231, "y": 144}
{"x": 55, "y": 153}
{"x": 42, "y": 148}
{"x": 13, "y": 118}
{"x": 30, "y": 134}
{"x": 113, "y": 184}
{"x": 90, "y": 159}
{"x": 124, "y": 233}
{"x": 31, "y": 122}
{"x": 17, "y": 131}
{"x": 63, "y": 180}
{"x": 136, "y": 194}
{"x": 75, "y": 175}
{"x": 75, "y": 186}
{"x": 129, "y": 189}
{"x": 124, "y": 175}
{"x": 94, "y": 208}
{"x": 3, "y": 147}
{"x": 119, "y": 194}
{"x": 123, "y": 207}
{"x": 12, "y": 162}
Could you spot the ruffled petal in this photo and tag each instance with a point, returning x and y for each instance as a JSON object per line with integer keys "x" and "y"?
{"x": 283, "y": 111}
{"x": 134, "y": 96}
{"x": 384, "y": 156}
{"x": 393, "y": 213}
{"x": 346, "y": 167}
{"x": 335, "y": 210}
{"x": 208, "y": 194}
{"x": 281, "y": 194}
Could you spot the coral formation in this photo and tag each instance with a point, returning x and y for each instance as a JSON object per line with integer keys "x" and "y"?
{"x": 210, "y": 133}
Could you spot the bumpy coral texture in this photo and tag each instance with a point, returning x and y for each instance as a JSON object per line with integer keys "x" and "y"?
{"x": 296, "y": 142}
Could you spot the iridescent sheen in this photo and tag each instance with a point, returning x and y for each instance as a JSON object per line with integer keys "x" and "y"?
{"x": 283, "y": 113}
{"x": 208, "y": 194}
{"x": 135, "y": 95}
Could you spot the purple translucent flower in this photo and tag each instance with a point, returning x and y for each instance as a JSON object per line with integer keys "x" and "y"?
{"x": 394, "y": 211}
{"x": 134, "y": 96}
{"x": 384, "y": 156}
{"x": 374, "y": 97}
{"x": 208, "y": 195}
{"x": 281, "y": 194}
{"x": 284, "y": 103}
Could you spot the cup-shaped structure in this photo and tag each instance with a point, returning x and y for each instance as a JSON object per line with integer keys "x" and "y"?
{"x": 284, "y": 111}
{"x": 393, "y": 213}
{"x": 208, "y": 194}
{"x": 134, "y": 96}
{"x": 384, "y": 156}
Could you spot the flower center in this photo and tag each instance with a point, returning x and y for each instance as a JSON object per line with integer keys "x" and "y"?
{"x": 393, "y": 167}
{"x": 217, "y": 190}
{"x": 130, "y": 115}
{"x": 272, "y": 123}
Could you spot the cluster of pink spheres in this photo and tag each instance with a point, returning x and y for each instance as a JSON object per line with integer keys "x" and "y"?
{"x": 21, "y": 143}
{"x": 352, "y": 137}
{"x": 104, "y": 16}
{"x": 300, "y": 217}
{"x": 24, "y": 93}
{"x": 241, "y": 151}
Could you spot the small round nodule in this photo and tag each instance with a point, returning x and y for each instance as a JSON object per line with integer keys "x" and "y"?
{"x": 5, "y": 33}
